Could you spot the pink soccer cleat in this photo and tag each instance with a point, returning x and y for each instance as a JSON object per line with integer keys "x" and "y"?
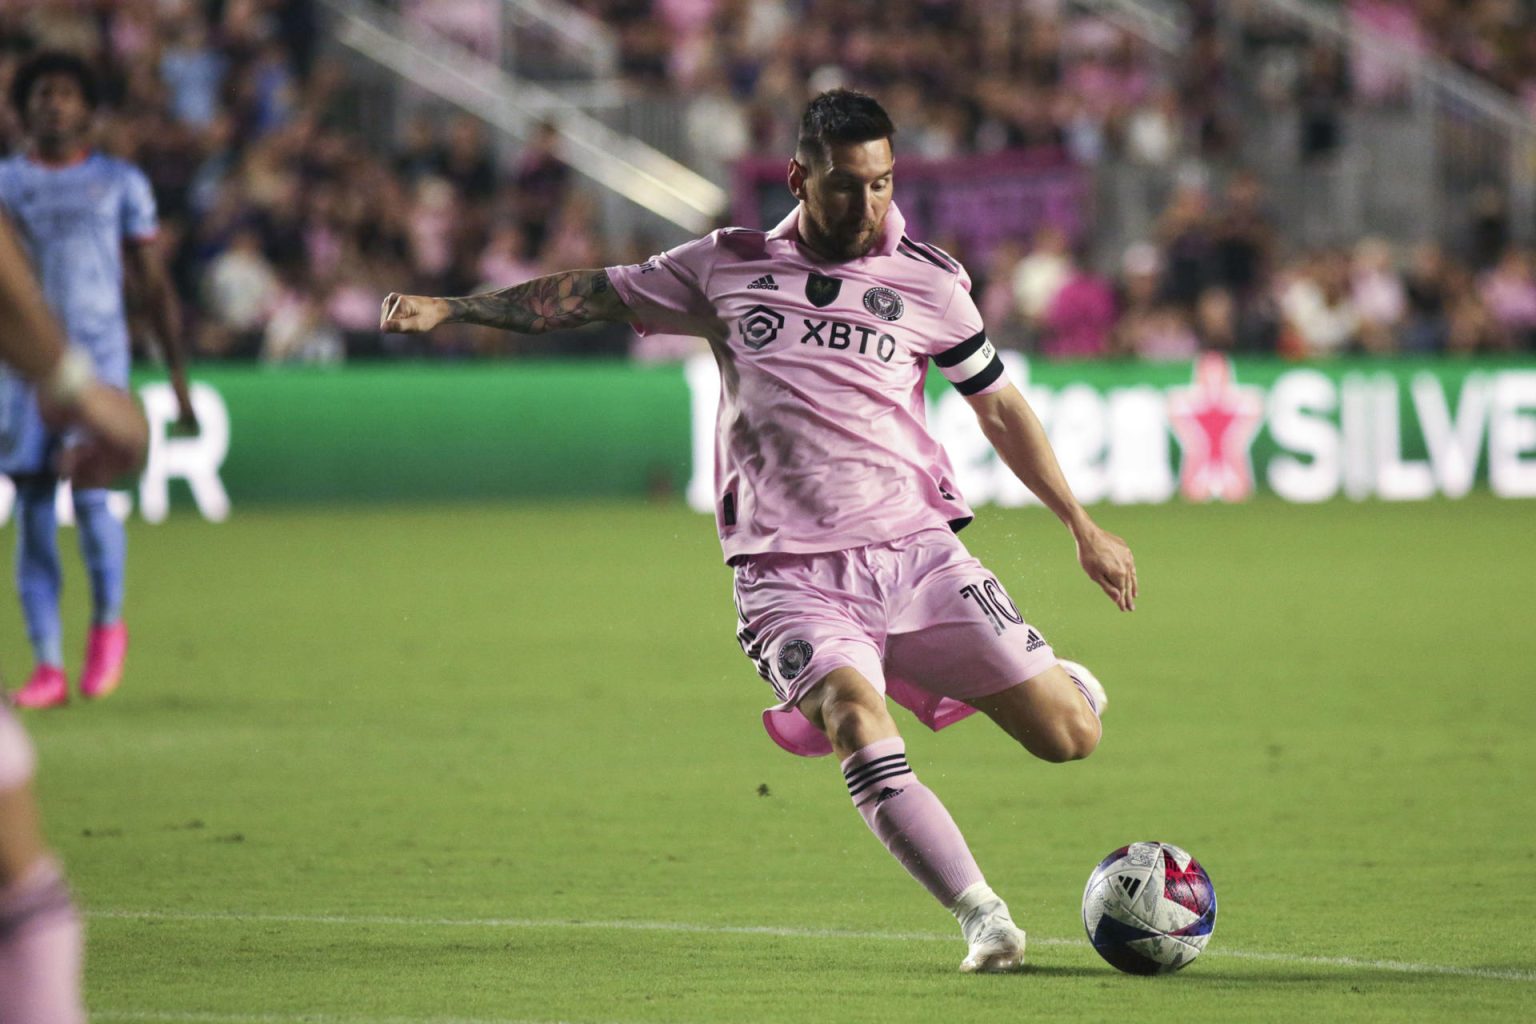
{"x": 47, "y": 688}
{"x": 105, "y": 653}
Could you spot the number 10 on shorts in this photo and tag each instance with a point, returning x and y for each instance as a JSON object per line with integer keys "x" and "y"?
{"x": 994, "y": 604}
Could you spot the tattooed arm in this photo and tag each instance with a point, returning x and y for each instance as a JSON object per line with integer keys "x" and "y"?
{"x": 552, "y": 303}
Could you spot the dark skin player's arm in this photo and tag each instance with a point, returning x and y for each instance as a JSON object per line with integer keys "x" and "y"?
{"x": 554, "y": 303}
{"x": 147, "y": 279}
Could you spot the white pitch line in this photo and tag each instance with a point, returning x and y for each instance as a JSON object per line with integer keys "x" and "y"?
{"x": 1397, "y": 966}
{"x": 526, "y": 922}
{"x": 194, "y": 1017}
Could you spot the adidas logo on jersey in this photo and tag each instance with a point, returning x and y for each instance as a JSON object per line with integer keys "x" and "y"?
{"x": 1036, "y": 641}
{"x": 766, "y": 281}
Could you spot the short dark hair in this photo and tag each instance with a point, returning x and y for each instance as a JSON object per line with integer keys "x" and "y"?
{"x": 841, "y": 115}
{"x": 53, "y": 62}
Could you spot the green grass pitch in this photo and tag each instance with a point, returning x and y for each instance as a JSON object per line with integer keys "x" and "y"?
{"x": 483, "y": 764}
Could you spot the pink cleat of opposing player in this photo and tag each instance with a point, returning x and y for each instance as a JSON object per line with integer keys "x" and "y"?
{"x": 46, "y": 688}
{"x": 105, "y": 652}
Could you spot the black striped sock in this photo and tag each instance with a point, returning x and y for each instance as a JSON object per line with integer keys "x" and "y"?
{"x": 879, "y": 767}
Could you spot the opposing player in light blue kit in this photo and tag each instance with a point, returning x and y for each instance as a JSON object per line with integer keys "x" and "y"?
{"x": 88, "y": 223}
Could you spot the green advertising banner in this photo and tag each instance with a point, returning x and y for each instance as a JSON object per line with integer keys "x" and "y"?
{"x": 1217, "y": 429}
{"x": 413, "y": 433}
{"x": 421, "y": 432}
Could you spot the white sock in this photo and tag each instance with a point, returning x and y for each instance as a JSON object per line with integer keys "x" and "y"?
{"x": 977, "y": 903}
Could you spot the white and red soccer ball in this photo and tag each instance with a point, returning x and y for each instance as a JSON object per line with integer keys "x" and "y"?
{"x": 1149, "y": 908}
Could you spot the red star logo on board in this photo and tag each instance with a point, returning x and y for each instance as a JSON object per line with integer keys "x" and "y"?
{"x": 1215, "y": 420}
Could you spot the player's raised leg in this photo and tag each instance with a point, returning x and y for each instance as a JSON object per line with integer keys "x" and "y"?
{"x": 38, "y": 581}
{"x": 1053, "y": 715}
{"x": 959, "y": 634}
{"x": 908, "y": 818}
{"x": 40, "y": 935}
{"x": 103, "y": 545}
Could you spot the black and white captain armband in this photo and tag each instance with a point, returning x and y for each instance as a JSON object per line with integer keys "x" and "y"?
{"x": 71, "y": 375}
{"x": 971, "y": 366}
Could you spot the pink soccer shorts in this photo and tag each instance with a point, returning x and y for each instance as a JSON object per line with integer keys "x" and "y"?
{"x": 918, "y": 616}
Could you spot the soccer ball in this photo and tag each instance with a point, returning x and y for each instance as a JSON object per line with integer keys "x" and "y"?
{"x": 1149, "y": 908}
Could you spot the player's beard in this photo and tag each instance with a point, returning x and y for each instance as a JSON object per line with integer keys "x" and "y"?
{"x": 863, "y": 241}
{"x": 847, "y": 243}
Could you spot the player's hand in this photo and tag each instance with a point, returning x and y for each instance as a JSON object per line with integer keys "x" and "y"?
{"x": 1107, "y": 561}
{"x": 186, "y": 418}
{"x": 117, "y": 437}
{"x": 411, "y": 314}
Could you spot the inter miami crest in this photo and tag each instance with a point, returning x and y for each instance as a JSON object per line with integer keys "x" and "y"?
{"x": 822, "y": 290}
{"x": 884, "y": 303}
{"x": 793, "y": 657}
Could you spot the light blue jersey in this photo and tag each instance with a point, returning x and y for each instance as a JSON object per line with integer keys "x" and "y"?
{"x": 73, "y": 221}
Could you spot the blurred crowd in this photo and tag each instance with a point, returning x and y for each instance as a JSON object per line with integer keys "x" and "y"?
{"x": 979, "y": 76}
{"x": 965, "y": 76}
{"x": 285, "y": 223}
{"x": 1494, "y": 39}
{"x": 1214, "y": 278}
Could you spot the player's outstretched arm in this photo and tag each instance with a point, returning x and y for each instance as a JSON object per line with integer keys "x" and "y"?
{"x": 553, "y": 303}
{"x": 1015, "y": 431}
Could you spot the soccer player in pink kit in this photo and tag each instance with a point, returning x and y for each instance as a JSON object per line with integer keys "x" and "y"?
{"x": 40, "y": 935}
{"x": 836, "y": 508}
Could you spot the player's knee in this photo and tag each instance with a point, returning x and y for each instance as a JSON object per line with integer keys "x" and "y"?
{"x": 90, "y": 498}
{"x": 851, "y": 721}
{"x": 1071, "y": 738}
{"x": 849, "y": 710}
{"x": 1083, "y": 733}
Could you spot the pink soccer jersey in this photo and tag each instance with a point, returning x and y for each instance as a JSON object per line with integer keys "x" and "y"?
{"x": 821, "y": 442}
